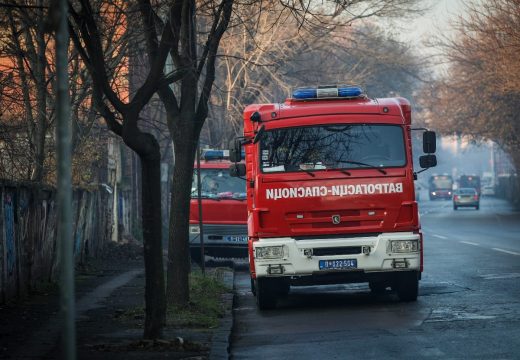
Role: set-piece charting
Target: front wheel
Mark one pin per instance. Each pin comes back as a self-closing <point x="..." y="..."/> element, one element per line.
<point x="477" y="207"/>
<point x="377" y="287"/>
<point x="195" y="256"/>
<point x="407" y="286"/>
<point x="454" y="207"/>
<point x="253" y="289"/>
<point x="265" y="294"/>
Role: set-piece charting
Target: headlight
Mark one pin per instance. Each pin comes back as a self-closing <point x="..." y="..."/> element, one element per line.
<point x="194" y="229"/>
<point x="404" y="246"/>
<point x="269" y="252"/>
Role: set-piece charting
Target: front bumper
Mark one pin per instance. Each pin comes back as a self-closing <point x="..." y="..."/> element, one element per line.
<point x="441" y="195"/>
<point x="221" y="241"/>
<point x="296" y="261"/>
<point x="466" y="203"/>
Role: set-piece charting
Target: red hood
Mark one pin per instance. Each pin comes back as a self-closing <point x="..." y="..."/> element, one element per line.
<point x="219" y="211"/>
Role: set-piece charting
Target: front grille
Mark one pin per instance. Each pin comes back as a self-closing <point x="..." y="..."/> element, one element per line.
<point x="344" y="250"/>
<point x="337" y="236"/>
<point x="225" y="230"/>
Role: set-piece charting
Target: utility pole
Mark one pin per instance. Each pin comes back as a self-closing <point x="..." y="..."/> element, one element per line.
<point x="59" y="13"/>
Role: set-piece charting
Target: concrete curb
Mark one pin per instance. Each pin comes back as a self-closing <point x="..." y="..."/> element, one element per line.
<point x="221" y="337"/>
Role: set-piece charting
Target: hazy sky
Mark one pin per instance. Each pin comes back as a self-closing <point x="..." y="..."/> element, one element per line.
<point x="418" y="31"/>
<point x="435" y="20"/>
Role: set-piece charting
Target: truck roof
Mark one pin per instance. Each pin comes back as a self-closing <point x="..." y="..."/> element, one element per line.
<point x="293" y="108"/>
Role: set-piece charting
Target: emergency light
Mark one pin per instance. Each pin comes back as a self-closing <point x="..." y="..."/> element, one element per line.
<point x="215" y="154"/>
<point x="327" y="92"/>
<point x="210" y="154"/>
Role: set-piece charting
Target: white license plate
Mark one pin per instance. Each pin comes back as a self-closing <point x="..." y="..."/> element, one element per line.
<point x="338" y="264"/>
<point x="236" y="238"/>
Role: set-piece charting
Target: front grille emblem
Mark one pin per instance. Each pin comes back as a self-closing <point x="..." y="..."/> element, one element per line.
<point x="336" y="219"/>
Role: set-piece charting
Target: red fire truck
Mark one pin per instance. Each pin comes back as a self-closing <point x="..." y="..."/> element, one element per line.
<point x="224" y="210"/>
<point x="330" y="192"/>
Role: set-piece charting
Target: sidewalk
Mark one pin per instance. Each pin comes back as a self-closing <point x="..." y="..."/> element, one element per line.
<point x="106" y="327"/>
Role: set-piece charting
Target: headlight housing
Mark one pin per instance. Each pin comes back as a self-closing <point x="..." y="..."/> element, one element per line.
<point x="194" y="229"/>
<point x="269" y="252"/>
<point x="404" y="246"/>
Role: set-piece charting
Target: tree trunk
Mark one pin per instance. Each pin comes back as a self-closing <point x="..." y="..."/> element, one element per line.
<point x="146" y="146"/>
<point x="152" y="234"/>
<point x="177" y="291"/>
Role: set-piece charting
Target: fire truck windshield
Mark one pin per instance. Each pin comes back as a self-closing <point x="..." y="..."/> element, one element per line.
<point x="217" y="184"/>
<point x="337" y="146"/>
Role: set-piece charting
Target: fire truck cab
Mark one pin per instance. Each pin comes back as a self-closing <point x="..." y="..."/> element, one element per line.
<point x="224" y="210"/>
<point x="330" y="192"/>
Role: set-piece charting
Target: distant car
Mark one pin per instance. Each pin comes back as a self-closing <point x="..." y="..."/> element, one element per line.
<point x="488" y="190"/>
<point x="466" y="197"/>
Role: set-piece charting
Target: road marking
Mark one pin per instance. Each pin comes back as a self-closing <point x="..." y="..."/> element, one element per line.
<point x="470" y="243"/>
<point x="452" y="314"/>
<point x="439" y="236"/>
<point x="500" y="276"/>
<point x="506" y="251"/>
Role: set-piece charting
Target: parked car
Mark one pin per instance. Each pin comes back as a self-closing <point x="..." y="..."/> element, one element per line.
<point x="488" y="190"/>
<point x="466" y="197"/>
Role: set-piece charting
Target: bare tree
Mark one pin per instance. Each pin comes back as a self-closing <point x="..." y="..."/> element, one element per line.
<point x="480" y="94"/>
<point x="122" y="115"/>
<point x="26" y="52"/>
<point x="28" y="109"/>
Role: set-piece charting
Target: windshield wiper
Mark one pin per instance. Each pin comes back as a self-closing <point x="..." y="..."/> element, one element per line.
<point x="330" y="166"/>
<point x="363" y="164"/>
<point x="234" y="198"/>
<point x="194" y="195"/>
<point x="308" y="172"/>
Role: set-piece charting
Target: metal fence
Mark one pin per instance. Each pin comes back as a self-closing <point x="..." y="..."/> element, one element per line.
<point x="28" y="234"/>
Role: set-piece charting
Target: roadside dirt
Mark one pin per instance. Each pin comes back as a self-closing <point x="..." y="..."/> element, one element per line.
<point x="31" y="328"/>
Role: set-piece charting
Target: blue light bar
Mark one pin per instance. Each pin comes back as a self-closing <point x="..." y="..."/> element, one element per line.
<point x="213" y="155"/>
<point x="351" y="91"/>
<point x="305" y="93"/>
<point x="327" y="92"/>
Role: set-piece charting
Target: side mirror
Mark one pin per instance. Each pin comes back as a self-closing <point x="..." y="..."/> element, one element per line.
<point x="237" y="170"/>
<point x="429" y="142"/>
<point x="428" y="161"/>
<point x="235" y="151"/>
<point x="259" y="134"/>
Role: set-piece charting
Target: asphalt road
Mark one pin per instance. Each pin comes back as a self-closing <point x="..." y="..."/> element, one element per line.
<point x="468" y="305"/>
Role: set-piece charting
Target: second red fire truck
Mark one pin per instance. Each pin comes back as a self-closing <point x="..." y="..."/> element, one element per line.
<point x="224" y="212"/>
<point x="330" y="192"/>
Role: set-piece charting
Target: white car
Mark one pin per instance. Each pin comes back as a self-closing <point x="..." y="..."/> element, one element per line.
<point x="488" y="190"/>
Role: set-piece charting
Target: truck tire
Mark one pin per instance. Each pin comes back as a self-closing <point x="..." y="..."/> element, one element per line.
<point x="377" y="287"/>
<point x="283" y="288"/>
<point x="253" y="289"/>
<point x="195" y="256"/>
<point x="407" y="286"/>
<point x="265" y="294"/>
